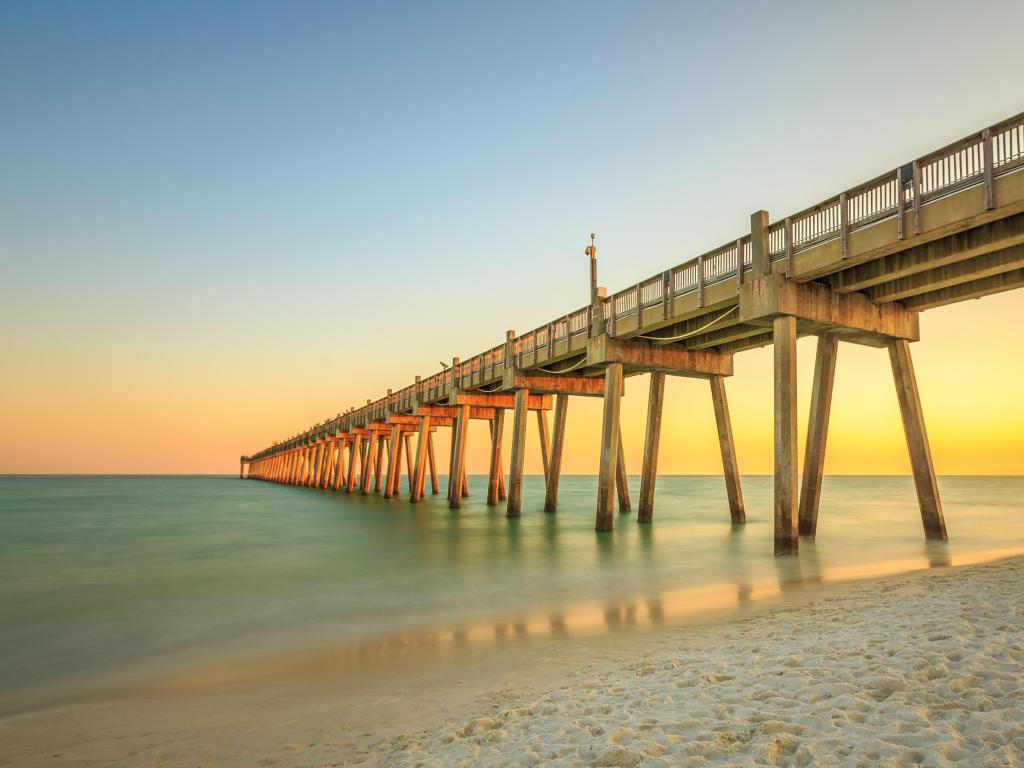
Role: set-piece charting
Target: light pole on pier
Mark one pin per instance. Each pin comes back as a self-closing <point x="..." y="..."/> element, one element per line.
<point x="596" y="313"/>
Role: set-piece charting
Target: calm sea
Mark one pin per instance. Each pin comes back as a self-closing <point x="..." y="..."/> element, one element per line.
<point x="104" y="575"/>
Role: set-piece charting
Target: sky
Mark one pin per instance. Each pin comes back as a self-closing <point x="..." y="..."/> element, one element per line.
<point x="223" y="222"/>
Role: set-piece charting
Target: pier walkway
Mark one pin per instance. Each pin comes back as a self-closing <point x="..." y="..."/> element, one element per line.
<point x="857" y="267"/>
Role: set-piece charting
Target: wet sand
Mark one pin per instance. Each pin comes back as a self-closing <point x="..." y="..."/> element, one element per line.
<point x="926" y="667"/>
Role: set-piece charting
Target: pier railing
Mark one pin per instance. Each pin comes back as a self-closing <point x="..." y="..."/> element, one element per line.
<point x="974" y="160"/>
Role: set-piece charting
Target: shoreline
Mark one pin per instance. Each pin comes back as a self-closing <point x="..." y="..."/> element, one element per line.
<point x="302" y="661"/>
<point x="405" y="705"/>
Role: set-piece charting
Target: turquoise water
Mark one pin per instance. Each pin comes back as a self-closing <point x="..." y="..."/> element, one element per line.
<point x="100" y="575"/>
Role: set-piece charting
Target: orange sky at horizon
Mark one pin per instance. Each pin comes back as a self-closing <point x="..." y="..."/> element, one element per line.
<point x="145" y="416"/>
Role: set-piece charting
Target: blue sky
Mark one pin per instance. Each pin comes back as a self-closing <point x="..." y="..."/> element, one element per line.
<point x="241" y="190"/>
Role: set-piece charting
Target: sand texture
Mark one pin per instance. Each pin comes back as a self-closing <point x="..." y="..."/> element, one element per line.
<point x="926" y="669"/>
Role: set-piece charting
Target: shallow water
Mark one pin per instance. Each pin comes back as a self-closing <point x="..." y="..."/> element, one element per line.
<point x="102" y="575"/>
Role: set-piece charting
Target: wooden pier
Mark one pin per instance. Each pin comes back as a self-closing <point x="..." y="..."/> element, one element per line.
<point x="857" y="268"/>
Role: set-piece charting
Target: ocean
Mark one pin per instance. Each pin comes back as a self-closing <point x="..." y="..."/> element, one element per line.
<point x="105" y="576"/>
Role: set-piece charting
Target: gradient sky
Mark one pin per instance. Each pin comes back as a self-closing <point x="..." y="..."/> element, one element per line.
<point x="221" y="222"/>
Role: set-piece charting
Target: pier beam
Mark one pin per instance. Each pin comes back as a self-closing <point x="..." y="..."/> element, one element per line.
<point x="495" y="469"/>
<point x="817" y="432"/>
<point x="784" y="338"/>
<point x="652" y="439"/>
<point x="555" y="459"/>
<point x="917" y="440"/>
<point x="609" y="447"/>
<point x="461" y="433"/>
<point x="515" y="476"/>
<point x="730" y="468"/>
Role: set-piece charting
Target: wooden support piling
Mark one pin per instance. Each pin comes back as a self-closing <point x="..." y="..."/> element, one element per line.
<point x="609" y="447"/>
<point x="407" y="442"/>
<point x="353" y="451"/>
<point x="434" y="486"/>
<point x="325" y="481"/>
<point x="369" y="459"/>
<point x="325" y="474"/>
<point x="545" y="441"/>
<point x="394" y="460"/>
<point x="817" y="432"/>
<point x="314" y="469"/>
<point x="459" y="463"/>
<point x="419" y="470"/>
<point x="727" y="447"/>
<point x="917" y="440"/>
<point x="515" y="478"/>
<point x="495" y="468"/>
<point x="379" y="464"/>
<point x="652" y="441"/>
<point x="622" y="479"/>
<point x="784" y="337"/>
<point x="555" y="460"/>
<point x="339" y="465"/>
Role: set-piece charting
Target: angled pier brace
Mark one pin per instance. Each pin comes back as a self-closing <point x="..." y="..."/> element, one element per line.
<point x="420" y="467"/>
<point x="407" y="442"/>
<point x="727" y="446"/>
<point x="555" y="459"/>
<point x="622" y="479"/>
<point x="652" y="439"/>
<point x="817" y="432"/>
<point x="354" y="448"/>
<point x="495" y="469"/>
<point x="379" y="463"/>
<point x="917" y="440"/>
<point x="394" y="461"/>
<point x="431" y="460"/>
<point x="459" y="464"/>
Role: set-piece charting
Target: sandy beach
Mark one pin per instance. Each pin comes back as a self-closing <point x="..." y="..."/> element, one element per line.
<point x="920" y="669"/>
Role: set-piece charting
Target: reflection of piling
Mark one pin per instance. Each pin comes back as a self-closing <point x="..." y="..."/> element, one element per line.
<point x="937" y="553"/>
